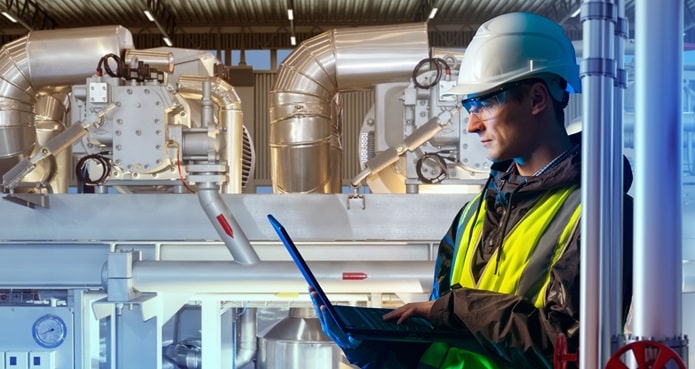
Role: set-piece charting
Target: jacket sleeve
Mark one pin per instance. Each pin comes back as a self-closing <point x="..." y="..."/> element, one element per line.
<point x="511" y="327"/>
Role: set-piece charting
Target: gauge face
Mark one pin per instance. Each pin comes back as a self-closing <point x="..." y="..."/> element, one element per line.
<point x="49" y="331"/>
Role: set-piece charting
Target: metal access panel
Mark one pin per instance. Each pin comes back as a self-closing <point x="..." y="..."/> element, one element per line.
<point x="37" y="337"/>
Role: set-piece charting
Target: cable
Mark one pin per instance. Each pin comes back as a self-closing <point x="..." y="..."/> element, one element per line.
<point x="82" y="172"/>
<point x="438" y="162"/>
<point x="104" y="61"/>
<point x="178" y="166"/>
<point x="439" y="64"/>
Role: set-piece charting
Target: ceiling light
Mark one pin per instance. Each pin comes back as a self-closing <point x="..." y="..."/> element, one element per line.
<point x="576" y="12"/>
<point x="433" y="13"/>
<point x="293" y="40"/>
<point x="290" y="14"/>
<point x="8" y="16"/>
<point x="149" y="16"/>
<point x="167" y="41"/>
<point x="17" y="20"/>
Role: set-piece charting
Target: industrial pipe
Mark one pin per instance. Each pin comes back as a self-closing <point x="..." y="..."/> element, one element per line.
<point x="208" y="173"/>
<point x="598" y="74"/>
<point x="230" y="121"/>
<point x="281" y="276"/>
<point x="658" y="215"/>
<point x="305" y="149"/>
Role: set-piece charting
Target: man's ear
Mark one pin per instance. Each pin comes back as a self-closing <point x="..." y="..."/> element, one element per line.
<point x="540" y="98"/>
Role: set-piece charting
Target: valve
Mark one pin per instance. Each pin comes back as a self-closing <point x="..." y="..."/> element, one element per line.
<point x="561" y="356"/>
<point x="647" y="355"/>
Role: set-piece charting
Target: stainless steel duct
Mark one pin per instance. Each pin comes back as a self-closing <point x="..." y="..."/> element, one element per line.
<point x="52" y="57"/>
<point x="305" y="150"/>
<point x="187" y="353"/>
<point x="51" y="109"/>
<point x="244" y="336"/>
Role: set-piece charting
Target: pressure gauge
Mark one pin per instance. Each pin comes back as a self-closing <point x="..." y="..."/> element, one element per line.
<point x="49" y="331"/>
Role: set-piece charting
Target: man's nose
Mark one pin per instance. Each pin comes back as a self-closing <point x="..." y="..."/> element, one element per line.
<point x="475" y="124"/>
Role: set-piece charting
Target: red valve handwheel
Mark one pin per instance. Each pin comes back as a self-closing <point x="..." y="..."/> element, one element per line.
<point x="562" y="357"/>
<point x="647" y="354"/>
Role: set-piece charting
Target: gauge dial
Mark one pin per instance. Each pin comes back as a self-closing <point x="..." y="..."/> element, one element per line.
<point x="49" y="331"/>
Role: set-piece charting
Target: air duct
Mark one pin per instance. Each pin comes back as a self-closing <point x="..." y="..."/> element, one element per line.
<point x="305" y="150"/>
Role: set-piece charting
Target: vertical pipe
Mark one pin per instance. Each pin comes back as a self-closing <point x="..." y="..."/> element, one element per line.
<point x="598" y="71"/>
<point x="614" y="284"/>
<point x="658" y="230"/>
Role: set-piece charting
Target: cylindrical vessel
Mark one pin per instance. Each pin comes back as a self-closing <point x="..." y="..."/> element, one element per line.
<point x="68" y="56"/>
<point x="161" y="60"/>
<point x="297" y="341"/>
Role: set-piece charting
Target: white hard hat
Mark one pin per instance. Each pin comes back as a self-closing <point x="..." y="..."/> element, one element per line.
<point x="513" y="47"/>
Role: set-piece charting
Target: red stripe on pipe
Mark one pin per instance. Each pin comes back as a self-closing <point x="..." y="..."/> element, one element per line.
<point x="354" y="276"/>
<point x="225" y="225"/>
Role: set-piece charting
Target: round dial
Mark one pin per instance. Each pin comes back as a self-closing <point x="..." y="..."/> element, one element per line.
<point x="49" y="331"/>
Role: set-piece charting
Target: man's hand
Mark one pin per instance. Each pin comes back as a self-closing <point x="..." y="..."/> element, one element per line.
<point x="419" y="309"/>
<point x="330" y="327"/>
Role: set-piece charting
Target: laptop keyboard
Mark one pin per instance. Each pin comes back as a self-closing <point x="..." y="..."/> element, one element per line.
<point x="364" y="317"/>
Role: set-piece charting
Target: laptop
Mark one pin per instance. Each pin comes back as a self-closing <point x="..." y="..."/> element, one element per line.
<point x="365" y="323"/>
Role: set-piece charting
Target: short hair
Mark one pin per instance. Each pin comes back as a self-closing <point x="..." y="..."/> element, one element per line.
<point x="522" y="89"/>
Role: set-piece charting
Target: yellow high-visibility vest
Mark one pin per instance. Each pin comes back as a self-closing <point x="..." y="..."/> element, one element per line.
<point x="529" y="251"/>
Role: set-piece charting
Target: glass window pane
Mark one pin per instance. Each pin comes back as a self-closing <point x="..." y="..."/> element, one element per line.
<point x="258" y="59"/>
<point x="283" y="54"/>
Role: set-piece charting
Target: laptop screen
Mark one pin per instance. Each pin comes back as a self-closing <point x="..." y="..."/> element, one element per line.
<point x="304" y="268"/>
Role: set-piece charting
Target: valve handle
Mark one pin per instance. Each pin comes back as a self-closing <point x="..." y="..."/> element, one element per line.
<point x="647" y="354"/>
<point x="561" y="356"/>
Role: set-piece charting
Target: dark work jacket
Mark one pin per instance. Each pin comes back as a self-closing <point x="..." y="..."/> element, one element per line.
<point x="509" y="327"/>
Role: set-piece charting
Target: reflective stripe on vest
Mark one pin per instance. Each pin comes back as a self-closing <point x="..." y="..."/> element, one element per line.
<point x="529" y="250"/>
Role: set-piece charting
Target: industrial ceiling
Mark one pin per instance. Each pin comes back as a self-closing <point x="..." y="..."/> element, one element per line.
<point x="265" y="23"/>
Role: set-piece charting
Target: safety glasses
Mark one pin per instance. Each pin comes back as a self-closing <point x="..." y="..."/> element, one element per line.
<point x="486" y="106"/>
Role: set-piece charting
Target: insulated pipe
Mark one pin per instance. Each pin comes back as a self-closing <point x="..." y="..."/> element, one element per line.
<point x="305" y="152"/>
<point x="209" y="173"/>
<point x="230" y="119"/>
<point x="281" y="276"/>
<point x="658" y="230"/>
<point x="188" y="353"/>
<point x="245" y="336"/>
<point x="52" y="57"/>
<point x="17" y="133"/>
<point x="598" y="74"/>
<point x="51" y="109"/>
<point x="225" y="224"/>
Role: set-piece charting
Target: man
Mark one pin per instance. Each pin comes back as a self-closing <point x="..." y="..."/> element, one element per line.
<point x="507" y="271"/>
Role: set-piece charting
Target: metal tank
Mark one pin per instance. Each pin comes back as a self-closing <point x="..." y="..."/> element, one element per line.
<point x="297" y="341"/>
